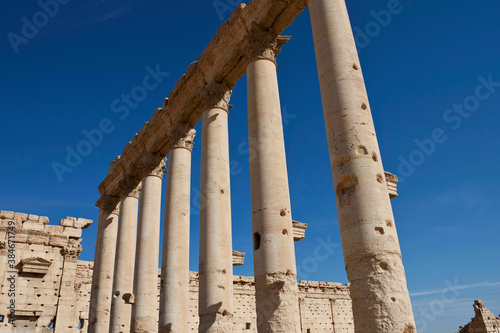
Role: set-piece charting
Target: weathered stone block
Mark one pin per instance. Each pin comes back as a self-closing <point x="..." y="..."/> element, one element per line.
<point x="58" y="240"/>
<point x="43" y="219"/>
<point x="54" y="229"/>
<point x="21" y="237"/>
<point x="82" y="223"/>
<point x="72" y="232"/>
<point x="4" y="214"/>
<point x="66" y="222"/>
<point x="32" y="217"/>
<point x="32" y="225"/>
<point x="20" y="217"/>
<point x="38" y="238"/>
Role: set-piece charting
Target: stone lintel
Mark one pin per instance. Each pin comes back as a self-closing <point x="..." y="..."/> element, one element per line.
<point x="299" y="230"/>
<point x="222" y="62"/>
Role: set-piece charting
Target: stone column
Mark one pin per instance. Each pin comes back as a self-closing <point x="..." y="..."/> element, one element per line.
<point x="370" y="244"/>
<point x="67" y="316"/>
<point x="174" y="295"/>
<point x="145" y="307"/>
<point x="104" y="262"/>
<point x="122" y="299"/>
<point x="274" y="254"/>
<point x="215" y="305"/>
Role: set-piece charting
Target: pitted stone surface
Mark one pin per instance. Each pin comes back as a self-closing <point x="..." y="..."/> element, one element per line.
<point x="65" y="293"/>
<point x="483" y="322"/>
<point x="51" y="282"/>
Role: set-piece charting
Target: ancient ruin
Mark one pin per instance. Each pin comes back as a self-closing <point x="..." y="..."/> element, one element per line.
<point x="45" y="279"/>
<point x="123" y="298"/>
<point x="53" y="286"/>
<point x="124" y="287"/>
<point x="483" y="322"/>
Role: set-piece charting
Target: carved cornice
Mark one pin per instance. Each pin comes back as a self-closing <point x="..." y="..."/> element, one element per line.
<point x="263" y="44"/>
<point x="186" y="141"/>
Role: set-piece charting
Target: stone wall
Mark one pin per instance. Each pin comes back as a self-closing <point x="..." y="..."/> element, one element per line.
<point x="53" y="287"/>
<point x="483" y="322"/>
<point x="324" y="306"/>
<point x="44" y="277"/>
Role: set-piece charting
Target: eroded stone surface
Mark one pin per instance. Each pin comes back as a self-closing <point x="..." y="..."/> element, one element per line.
<point x="372" y="255"/>
<point x="64" y="291"/>
<point x="51" y="282"/>
<point x="483" y="322"/>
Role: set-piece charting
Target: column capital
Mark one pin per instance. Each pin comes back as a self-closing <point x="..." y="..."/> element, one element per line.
<point x="130" y="187"/>
<point x="153" y="168"/>
<point x="109" y="204"/>
<point x="217" y="96"/>
<point x="186" y="141"/>
<point x="72" y="251"/>
<point x="263" y="44"/>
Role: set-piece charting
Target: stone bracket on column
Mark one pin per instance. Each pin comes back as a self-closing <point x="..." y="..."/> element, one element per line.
<point x="299" y="230"/>
<point x="392" y="184"/>
<point x="238" y="258"/>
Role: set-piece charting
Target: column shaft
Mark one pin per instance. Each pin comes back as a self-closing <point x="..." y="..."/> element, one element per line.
<point x="370" y="244"/>
<point x="216" y="259"/>
<point x="174" y="295"/>
<point x="274" y="256"/>
<point x="102" y="279"/>
<point x="121" y="307"/>
<point x="145" y="307"/>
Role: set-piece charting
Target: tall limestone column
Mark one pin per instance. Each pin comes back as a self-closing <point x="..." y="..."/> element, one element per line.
<point x="372" y="254"/>
<point x="174" y="293"/>
<point x="145" y="307"/>
<point x="104" y="262"/>
<point x="122" y="299"/>
<point x="274" y="254"/>
<point x="215" y="305"/>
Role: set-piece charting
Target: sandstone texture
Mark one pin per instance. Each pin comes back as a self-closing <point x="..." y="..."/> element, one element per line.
<point x="55" y="297"/>
<point x="483" y="322"/>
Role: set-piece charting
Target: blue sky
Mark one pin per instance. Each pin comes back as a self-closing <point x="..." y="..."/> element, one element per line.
<point x="420" y="66"/>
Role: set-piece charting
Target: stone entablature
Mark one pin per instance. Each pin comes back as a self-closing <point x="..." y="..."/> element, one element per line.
<point x="223" y="62"/>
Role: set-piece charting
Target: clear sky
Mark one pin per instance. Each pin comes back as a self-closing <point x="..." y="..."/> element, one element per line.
<point x="433" y="78"/>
